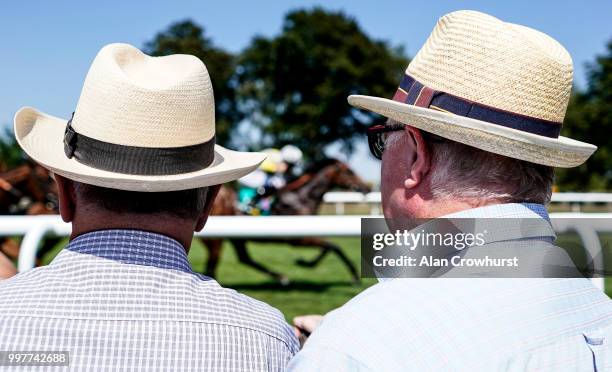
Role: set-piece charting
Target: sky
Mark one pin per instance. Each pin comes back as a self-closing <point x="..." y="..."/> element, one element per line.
<point x="47" y="46"/>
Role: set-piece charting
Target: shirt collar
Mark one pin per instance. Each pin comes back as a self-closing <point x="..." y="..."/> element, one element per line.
<point x="513" y="226"/>
<point x="507" y="210"/>
<point x="133" y="247"/>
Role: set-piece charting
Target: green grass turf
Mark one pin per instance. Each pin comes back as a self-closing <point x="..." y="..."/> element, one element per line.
<point x="312" y="291"/>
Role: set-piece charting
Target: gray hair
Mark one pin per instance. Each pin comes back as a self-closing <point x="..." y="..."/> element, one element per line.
<point x="463" y="172"/>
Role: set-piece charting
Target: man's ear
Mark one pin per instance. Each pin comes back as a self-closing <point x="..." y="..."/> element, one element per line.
<point x="210" y="200"/>
<point x="422" y="159"/>
<point x="67" y="197"/>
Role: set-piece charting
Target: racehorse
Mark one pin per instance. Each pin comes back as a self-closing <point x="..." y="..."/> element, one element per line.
<point x="300" y="197"/>
<point x="27" y="190"/>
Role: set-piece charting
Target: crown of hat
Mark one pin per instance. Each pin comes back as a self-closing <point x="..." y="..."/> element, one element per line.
<point x="132" y="99"/>
<point x="510" y="67"/>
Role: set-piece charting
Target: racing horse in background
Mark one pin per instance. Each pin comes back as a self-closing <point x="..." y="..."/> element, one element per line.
<point x="302" y="196"/>
<point x="28" y="189"/>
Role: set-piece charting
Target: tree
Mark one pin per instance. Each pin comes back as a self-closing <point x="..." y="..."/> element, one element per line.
<point x="186" y="37"/>
<point x="294" y="86"/>
<point x="589" y="118"/>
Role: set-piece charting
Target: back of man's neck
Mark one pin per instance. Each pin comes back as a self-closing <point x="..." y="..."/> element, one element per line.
<point x="173" y="227"/>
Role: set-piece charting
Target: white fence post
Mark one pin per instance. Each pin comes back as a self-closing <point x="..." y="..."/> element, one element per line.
<point x="592" y="247"/>
<point x="29" y="246"/>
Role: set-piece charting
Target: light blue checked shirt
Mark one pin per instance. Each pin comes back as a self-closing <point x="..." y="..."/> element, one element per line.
<point x="473" y="324"/>
<point x="128" y="300"/>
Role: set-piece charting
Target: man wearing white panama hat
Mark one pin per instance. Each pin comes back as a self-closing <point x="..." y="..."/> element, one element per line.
<point x="137" y="169"/>
<point x="473" y="132"/>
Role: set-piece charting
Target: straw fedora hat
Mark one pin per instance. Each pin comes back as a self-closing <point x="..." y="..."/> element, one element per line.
<point x="496" y="86"/>
<point x="142" y="123"/>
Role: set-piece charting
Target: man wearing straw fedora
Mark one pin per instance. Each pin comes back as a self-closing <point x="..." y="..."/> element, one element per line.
<point x="472" y="132"/>
<point x="138" y="169"/>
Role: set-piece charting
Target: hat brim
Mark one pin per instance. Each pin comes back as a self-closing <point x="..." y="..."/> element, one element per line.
<point x="555" y="152"/>
<point x="41" y="136"/>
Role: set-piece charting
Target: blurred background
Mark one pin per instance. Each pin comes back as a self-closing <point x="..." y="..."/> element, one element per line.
<point x="281" y="72"/>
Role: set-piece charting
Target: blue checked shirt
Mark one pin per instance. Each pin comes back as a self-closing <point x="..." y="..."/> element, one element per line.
<point x="128" y="300"/>
<point x="468" y="324"/>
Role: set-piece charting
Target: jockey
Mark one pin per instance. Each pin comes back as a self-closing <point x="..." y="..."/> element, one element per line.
<point x="274" y="168"/>
<point x="292" y="157"/>
<point x="248" y="190"/>
<point x="258" y="189"/>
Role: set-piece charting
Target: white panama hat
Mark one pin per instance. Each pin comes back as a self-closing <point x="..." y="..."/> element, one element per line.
<point x="496" y="86"/>
<point x="142" y="123"/>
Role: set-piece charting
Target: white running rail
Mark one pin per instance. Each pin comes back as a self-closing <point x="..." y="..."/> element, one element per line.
<point x="574" y="199"/>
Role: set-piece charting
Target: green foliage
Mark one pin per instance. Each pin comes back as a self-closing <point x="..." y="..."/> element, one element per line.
<point x="11" y="154"/>
<point x="294" y="86"/>
<point x="589" y="118"/>
<point x="186" y="37"/>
